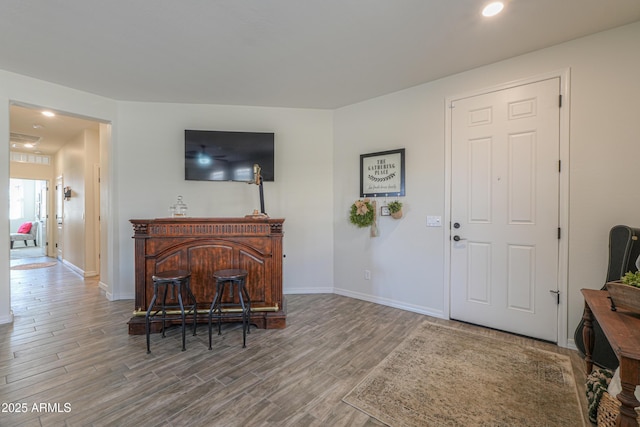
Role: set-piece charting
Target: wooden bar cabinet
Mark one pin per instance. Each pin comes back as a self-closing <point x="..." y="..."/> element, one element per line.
<point x="204" y="245"/>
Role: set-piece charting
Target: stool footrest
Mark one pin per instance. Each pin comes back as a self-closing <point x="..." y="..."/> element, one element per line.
<point x="274" y="308"/>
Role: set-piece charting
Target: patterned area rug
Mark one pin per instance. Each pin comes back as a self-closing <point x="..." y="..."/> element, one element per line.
<point x="33" y="265"/>
<point x="440" y="376"/>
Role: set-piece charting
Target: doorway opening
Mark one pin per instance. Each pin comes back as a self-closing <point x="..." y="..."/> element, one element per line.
<point x="28" y="204"/>
<point x="44" y="148"/>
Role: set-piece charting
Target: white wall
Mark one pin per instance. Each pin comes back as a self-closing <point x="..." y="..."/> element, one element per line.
<point x="407" y="259"/>
<point x="149" y="164"/>
<point x="69" y="164"/>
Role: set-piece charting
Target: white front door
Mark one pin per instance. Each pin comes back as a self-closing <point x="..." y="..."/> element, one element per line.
<point x="504" y="209"/>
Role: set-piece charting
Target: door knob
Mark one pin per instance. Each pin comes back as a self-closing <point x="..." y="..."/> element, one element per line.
<point x="458" y="238"/>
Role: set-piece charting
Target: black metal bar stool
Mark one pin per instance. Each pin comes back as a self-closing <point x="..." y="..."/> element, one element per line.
<point x="236" y="279"/>
<point x="177" y="280"/>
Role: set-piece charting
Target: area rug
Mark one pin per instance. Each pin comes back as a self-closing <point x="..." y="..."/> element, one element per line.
<point x="33" y="265"/>
<point x="441" y="376"/>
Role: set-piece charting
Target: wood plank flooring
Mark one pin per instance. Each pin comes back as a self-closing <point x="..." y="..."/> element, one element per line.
<point x="67" y="360"/>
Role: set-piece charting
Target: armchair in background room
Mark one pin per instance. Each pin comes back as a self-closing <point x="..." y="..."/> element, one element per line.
<point x="27" y="231"/>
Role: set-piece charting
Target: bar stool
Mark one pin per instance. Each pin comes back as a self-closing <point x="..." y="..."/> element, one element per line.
<point x="236" y="278"/>
<point x="177" y="280"/>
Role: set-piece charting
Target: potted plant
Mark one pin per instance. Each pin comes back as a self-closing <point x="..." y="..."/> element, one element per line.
<point x="632" y="279"/>
<point x="625" y="293"/>
<point x="395" y="209"/>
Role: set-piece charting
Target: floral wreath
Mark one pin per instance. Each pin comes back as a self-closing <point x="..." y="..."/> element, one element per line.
<point x="362" y="213"/>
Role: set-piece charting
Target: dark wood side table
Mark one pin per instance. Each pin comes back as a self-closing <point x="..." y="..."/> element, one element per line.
<point x="622" y="329"/>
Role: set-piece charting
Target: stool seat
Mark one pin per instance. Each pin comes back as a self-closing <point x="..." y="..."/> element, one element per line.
<point x="236" y="278"/>
<point x="178" y="281"/>
<point x="230" y="274"/>
<point x="172" y="275"/>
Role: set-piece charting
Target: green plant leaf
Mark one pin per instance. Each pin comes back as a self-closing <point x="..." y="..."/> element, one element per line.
<point x="395" y="206"/>
<point x="632" y="279"/>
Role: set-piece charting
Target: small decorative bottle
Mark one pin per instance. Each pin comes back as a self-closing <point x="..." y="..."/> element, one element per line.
<point x="179" y="209"/>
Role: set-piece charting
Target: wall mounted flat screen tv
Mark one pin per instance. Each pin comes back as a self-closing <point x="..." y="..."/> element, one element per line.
<point x="227" y="156"/>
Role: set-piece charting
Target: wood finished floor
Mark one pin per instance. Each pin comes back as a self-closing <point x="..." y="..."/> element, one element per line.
<point x="69" y="347"/>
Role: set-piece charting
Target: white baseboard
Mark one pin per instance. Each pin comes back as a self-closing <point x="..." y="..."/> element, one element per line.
<point x="91" y="274"/>
<point x="105" y="288"/>
<point x="290" y="291"/>
<point x="7" y="319"/>
<point x="571" y="344"/>
<point x="377" y="300"/>
<point x="73" y="267"/>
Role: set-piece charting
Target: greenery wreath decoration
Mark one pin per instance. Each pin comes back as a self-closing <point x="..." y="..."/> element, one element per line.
<point x="362" y="213"/>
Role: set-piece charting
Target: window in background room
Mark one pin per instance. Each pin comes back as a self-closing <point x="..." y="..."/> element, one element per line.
<point x="16" y="199"/>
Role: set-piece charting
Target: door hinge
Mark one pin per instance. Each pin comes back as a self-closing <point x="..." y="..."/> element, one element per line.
<point x="560" y="100"/>
<point x="559" y="166"/>
<point x="559" y="233"/>
<point x="557" y="295"/>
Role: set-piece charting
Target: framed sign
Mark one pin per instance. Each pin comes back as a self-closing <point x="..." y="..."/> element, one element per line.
<point x="382" y="174"/>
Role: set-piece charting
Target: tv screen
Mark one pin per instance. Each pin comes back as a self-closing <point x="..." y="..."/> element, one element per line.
<point x="227" y="156"/>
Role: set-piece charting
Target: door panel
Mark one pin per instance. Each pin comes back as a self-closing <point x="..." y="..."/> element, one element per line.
<point x="479" y="274"/>
<point x="504" y="196"/>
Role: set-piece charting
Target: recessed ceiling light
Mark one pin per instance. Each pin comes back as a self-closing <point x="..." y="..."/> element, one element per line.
<point x="28" y="145"/>
<point x="48" y="113"/>
<point x="37" y="126"/>
<point x="493" y="9"/>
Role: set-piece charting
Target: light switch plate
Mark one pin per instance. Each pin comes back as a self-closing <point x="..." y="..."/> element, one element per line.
<point x="434" y="221"/>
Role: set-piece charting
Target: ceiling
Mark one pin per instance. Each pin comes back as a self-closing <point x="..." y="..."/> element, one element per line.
<point x="51" y="133"/>
<point x="281" y="53"/>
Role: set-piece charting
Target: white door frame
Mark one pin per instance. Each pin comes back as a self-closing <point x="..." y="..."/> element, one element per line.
<point x="59" y="209"/>
<point x="563" y="250"/>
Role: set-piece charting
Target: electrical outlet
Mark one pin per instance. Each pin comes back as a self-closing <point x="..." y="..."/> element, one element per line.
<point x="367" y="275"/>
